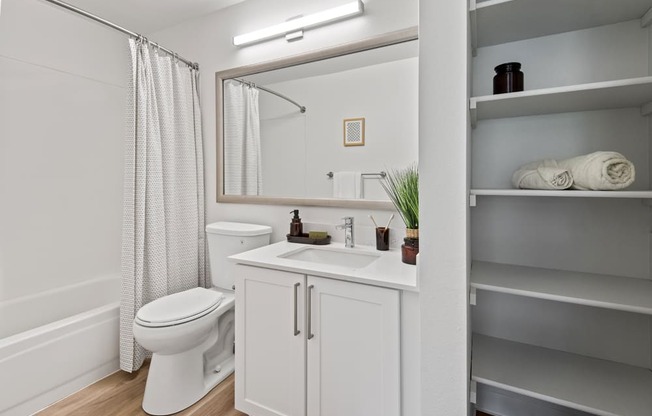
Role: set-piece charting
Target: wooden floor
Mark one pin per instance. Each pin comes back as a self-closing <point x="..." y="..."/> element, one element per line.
<point x="121" y="394"/>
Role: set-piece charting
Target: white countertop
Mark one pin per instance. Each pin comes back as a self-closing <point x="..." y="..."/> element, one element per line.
<point x="387" y="271"/>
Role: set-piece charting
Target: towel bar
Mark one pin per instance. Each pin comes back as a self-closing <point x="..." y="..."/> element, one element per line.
<point x="382" y="174"/>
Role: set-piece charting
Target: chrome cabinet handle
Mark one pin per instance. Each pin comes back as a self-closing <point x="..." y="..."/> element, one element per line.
<point x="310" y="334"/>
<point x="296" y="326"/>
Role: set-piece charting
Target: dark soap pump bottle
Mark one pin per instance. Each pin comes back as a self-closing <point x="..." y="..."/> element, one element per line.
<point x="296" y="226"/>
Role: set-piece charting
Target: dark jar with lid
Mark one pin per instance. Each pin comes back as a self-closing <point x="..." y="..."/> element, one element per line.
<point x="509" y="78"/>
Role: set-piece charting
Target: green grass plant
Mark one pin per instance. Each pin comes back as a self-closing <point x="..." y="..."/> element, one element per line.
<point x="402" y="187"/>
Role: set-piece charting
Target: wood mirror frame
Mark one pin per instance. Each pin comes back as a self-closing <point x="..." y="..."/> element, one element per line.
<point x="388" y="39"/>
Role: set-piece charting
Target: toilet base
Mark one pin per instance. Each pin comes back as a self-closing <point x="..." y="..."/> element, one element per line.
<point x="177" y="379"/>
<point x="175" y="383"/>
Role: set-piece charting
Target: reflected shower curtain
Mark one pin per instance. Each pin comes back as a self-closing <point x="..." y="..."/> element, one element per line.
<point x="163" y="245"/>
<point x="243" y="172"/>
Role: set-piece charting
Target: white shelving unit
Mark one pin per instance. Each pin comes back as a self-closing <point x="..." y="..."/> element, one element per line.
<point x="590" y="289"/>
<point x="533" y="18"/>
<point x="635" y="92"/>
<point x="591" y="385"/>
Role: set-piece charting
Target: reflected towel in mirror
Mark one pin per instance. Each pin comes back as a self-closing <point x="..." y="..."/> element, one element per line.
<point x="347" y="185"/>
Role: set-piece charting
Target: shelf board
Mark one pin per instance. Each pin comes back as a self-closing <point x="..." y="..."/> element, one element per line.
<point x="599" y="290"/>
<point x="563" y="194"/>
<point x="591" y="385"/>
<point x="526" y="19"/>
<point x="624" y="93"/>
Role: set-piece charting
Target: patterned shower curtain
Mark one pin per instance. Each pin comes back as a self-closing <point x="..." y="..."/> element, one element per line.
<point x="243" y="171"/>
<point x="163" y="245"/>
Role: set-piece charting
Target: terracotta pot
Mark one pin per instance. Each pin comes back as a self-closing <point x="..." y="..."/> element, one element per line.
<point x="409" y="250"/>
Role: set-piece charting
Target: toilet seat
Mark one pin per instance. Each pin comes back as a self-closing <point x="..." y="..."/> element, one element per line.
<point x="179" y="308"/>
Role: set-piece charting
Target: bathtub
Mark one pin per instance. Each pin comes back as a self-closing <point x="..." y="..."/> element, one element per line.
<point x="65" y="339"/>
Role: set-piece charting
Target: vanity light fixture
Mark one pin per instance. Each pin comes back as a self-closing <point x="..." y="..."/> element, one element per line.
<point x="345" y="11"/>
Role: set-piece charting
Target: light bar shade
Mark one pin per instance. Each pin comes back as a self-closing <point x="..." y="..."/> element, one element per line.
<point x="312" y="20"/>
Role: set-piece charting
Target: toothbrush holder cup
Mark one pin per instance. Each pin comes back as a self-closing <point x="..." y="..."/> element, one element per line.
<point x="382" y="238"/>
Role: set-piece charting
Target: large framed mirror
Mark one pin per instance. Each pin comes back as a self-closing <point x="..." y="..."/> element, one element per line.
<point x="320" y="128"/>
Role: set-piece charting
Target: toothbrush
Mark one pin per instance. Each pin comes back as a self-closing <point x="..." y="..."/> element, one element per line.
<point x="374" y="221"/>
<point x="389" y="221"/>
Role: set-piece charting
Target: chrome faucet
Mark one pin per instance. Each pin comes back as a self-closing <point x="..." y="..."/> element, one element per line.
<point x="348" y="231"/>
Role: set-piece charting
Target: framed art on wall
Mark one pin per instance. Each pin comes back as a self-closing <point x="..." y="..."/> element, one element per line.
<point x="354" y="131"/>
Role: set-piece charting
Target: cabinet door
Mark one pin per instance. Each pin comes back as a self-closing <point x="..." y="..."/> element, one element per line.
<point x="353" y="349"/>
<point x="270" y="353"/>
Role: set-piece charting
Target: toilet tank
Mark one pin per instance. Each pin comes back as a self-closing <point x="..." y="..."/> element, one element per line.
<point x="228" y="238"/>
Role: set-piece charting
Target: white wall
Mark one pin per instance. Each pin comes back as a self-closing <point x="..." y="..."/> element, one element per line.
<point x="62" y="105"/>
<point x="386" y="95"/>
<point x="443" y="258"/>
<point x="208" y="40"/>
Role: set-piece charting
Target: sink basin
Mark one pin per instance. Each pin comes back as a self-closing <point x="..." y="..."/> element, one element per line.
<point x="335" y="257"/>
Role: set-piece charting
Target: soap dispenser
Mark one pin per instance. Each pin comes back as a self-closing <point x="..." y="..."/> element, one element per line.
<point x="296" y="226"/>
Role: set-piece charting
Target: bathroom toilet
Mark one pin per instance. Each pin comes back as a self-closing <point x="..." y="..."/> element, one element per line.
<point x="191" y="333"/>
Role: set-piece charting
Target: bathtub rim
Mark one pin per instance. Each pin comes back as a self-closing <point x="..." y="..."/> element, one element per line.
<point x="23" y="341"/>
<point x="109" y="285"/>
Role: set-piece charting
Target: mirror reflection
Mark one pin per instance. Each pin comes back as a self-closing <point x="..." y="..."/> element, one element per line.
<point x="325" y="129"/>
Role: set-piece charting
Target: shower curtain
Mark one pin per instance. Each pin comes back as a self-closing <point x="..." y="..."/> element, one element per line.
<point x="243" y="172"/>
<point x="163" y="245"/>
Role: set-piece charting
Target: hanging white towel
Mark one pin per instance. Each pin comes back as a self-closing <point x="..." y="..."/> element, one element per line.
<point x="347" y="185"/>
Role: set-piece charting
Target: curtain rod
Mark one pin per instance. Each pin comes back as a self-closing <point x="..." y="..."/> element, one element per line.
<point x="251" y="84"/>
<point x="112" y="25"/>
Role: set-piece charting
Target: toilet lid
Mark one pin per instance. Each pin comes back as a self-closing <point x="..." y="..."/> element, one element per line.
<point x="179" y="307"/>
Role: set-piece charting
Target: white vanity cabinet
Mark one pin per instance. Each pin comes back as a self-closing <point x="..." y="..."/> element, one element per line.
<point x="270" y="354"/>
<point x="315" y="346"/>
<point x="353" y="348"/>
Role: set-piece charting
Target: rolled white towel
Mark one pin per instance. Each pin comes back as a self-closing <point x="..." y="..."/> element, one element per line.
<point x="600" y="171"/>
<point x="544" y="174"/>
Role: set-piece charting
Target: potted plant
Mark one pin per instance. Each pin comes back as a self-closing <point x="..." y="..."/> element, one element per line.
<point x="402" y="187"/>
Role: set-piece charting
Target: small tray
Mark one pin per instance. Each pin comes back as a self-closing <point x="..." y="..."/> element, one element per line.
<point x="304" y="239"/>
